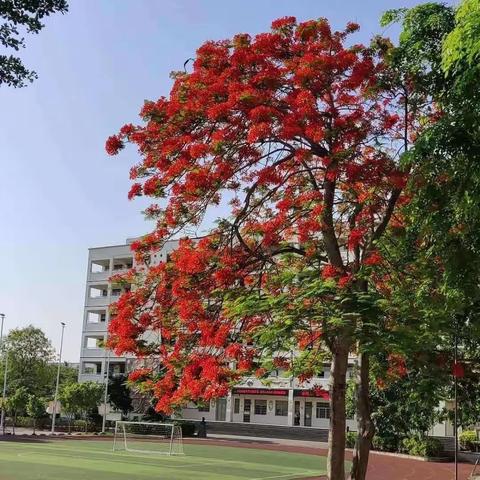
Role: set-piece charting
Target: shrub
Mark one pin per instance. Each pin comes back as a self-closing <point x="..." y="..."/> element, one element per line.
<point x="422" y="446"/>
<point x="188" y="428"/>
<point x="385" y="443"/>
<point x="467" y="439"/>
<point x="27" y="422"/>
<point x="351" y="439"/>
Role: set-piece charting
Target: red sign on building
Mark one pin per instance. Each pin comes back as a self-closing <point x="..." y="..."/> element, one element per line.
<point x="277" y="392"/>
<point x="315" y="392"/>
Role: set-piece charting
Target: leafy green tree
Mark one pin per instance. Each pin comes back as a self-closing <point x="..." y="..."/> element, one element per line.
<point x="35" y="408"/>
<point x="435" y="290"/>
<point x="80" y="399"/>
<point x="16" y="403"/>
<point x="30" y="354"/>
<point x="119" y="394"/>
<point x="19" y="17"/>
<point x="68" y="375"/>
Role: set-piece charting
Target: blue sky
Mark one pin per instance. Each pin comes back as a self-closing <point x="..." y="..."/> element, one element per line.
<point x="60" y="193"/>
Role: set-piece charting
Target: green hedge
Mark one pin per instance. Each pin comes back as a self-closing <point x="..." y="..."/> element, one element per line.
<point x="351" y="439"/>
<point x="422" y="446"/>
<point x="386" y="443"/>
<point x="27" y="422"/>
<point x="188" y="428"/>
<point x="468" y="439"/>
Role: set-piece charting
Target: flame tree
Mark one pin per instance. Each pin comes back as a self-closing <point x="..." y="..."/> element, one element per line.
<point x="300" y="134"/>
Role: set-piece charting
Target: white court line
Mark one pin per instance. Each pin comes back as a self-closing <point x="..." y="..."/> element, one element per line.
<point x="310" y="472"/>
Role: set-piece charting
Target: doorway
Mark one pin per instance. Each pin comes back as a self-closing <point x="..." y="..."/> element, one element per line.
<point x="247" y="406"/>
<point x="308" y="414"/>
<point x="296" y="414"/>
<point x="221" y="410"/>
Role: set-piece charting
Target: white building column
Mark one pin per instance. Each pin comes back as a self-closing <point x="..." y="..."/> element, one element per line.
<point x="229" y="409"/>
<point x="291" y="408"/>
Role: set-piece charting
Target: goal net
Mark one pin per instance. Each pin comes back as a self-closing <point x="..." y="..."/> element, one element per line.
<point x="146" y="437"/>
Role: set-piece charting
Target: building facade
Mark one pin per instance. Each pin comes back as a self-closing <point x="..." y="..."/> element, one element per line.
<point x="103" y="262"/>
<point x="100" y="292"/>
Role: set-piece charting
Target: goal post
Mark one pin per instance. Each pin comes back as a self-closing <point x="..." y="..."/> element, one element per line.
<point x="148" y="437"/>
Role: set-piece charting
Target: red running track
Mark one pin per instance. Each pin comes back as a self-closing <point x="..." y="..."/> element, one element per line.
<point x="381" y="467"/>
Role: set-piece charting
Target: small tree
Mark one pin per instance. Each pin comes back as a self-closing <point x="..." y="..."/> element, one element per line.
<point x="68" y="400"/>
<point x="119" y="394"/>
<point x="30" y="354"/>
<point x="35" y="409"/>
<point x="16" y="403"/>
<point x="80" y="398"/>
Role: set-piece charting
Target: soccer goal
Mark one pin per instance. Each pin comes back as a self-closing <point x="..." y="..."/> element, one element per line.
<point x="146" y="437"/>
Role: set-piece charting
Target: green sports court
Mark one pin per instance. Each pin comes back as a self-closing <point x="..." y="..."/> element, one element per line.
<point x="69" y="459"/>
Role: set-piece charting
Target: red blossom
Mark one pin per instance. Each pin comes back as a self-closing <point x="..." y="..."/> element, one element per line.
<point x="113" y="145"/>
<point x="373" y="259"/>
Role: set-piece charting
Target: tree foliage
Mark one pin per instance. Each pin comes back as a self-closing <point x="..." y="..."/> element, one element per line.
<point x="435" y="280"/>
<point x="291" y="124"/>
<point x="80" y="399"/>
<point x="16" y="403"/>
<point x="35" y="408"/>
<point x="119" y="394"/>
<point x="30" y="354"/>
<point x="19" y="17"/>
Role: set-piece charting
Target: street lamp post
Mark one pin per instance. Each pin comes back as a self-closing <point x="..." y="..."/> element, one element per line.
<point x="4" y="393"/>
<point x="2" y="415"/>
<point x="2" y="316"/>
<point x="105" y="392"/>
<point x="54" y="413"/>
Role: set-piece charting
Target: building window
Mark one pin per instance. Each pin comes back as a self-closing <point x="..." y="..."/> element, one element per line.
<point x="91" y="368"/>
<point x="260" y="407"/>
<point x="236" y="405"/>
<point x="204" y="407"/>
<point x="323" y="410"/>
<point x="281" y="408"/>
<point x="116" y="292"/>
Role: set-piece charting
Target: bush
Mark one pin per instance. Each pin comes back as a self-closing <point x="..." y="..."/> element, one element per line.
<point x="27" y="422"/>
<point x="351" y="439"/>
<point x="467" y="439"/>
<point x="188" y="428"/>
<point x="385" y="443"/>
<point x="423" y="446"/>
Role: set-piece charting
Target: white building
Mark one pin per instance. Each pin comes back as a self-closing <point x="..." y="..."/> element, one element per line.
<point x="103" y="262"/>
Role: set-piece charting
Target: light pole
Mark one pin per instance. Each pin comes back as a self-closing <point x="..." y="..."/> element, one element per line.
<point x="54" y="413"/>
<point x="4" y="393"/>
<point x="2" y="415"/>
<point x="105" y="392"/>
<point x="2" y="316"/>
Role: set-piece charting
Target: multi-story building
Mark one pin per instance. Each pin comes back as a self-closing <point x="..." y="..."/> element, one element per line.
<point x="103" y="262"/>
<point x="100" y="292"/>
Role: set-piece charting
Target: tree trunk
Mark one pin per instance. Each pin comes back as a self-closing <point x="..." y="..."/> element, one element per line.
<point x="14" y="423"/>
<point x="364" y="421"/>
<point x="336" y="437"/>
<point x="34" y="425"/>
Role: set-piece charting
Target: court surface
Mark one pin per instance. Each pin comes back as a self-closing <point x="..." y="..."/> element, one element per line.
<point x="58" y="459"/>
